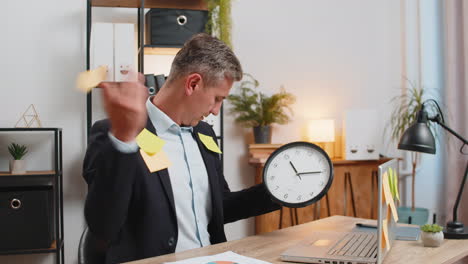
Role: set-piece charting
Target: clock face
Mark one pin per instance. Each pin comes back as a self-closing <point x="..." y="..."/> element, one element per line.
<point x="298" y="174"/>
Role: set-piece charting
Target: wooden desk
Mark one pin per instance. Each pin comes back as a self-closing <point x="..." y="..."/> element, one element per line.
<point x="341" y="196"/>
<point x="269" y="246"/>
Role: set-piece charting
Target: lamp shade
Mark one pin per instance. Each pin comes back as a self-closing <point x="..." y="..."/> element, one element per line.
<point x="322" y="130"/>
<point x="418" y="137"/>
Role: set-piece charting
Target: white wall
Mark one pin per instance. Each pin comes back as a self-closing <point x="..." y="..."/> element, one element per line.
<point x="42" y="50"/>
<point x="423" y="66"/>
<point x="334" y="55"/>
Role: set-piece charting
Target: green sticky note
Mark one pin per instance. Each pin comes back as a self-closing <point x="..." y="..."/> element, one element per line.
<point x="397" y="193"/>
<point x="209" y="143"/>
<point x="390" y="182"/>
<point x="149" y="142"/>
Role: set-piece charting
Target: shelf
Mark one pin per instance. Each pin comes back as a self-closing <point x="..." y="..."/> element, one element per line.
<point x="37" y="178"/>
<point x="149" y="50"/>
<point x="53" y="248"/>
<point x="29" y="173"/>
<point x="180" y="4"/>
<point x="16" y="129"/>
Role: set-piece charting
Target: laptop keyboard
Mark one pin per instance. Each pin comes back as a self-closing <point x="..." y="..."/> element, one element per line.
<point x="357" y="244"/>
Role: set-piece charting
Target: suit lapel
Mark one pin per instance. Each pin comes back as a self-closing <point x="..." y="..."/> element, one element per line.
<point x="210" y="168"/>
<point x="163" y="175"/>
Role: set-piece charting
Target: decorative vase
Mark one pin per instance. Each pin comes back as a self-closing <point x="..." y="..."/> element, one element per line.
<point x="432" y="239"/>
<point x="17" y="166"/>
<point x="262" y="134"/>
<point x="418" y="217"/>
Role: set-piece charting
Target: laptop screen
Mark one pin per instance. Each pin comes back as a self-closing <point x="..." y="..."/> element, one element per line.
<point x="387" y="213"/>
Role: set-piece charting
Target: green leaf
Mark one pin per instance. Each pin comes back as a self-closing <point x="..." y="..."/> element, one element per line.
<point x="252" y="108"/>
<point x="434" y="228"/>
<point x="17" y="151"/>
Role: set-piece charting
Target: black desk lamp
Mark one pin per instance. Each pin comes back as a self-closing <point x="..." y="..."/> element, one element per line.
<point x="418" y="137"/>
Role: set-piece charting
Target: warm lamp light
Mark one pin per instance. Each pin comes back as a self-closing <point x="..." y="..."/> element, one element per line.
<point x="322" y="130"/>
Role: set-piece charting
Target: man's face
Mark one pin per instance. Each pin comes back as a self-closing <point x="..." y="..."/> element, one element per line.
<point x="207" y="100"/>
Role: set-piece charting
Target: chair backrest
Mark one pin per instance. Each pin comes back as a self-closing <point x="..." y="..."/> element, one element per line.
<point x="91" y="250"/>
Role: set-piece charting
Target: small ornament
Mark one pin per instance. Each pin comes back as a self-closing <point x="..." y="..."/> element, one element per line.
<point x="30" y="118"/>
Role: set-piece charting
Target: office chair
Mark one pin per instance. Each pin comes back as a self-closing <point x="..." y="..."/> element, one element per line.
<point x="91" y="250"/>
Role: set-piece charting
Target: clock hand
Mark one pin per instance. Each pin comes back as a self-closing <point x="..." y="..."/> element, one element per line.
<point x="309" y="172"/>
<point x="294" y="168"/>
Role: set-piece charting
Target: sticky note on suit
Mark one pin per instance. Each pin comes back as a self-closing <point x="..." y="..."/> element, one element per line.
<point x="209" y="143"/>
<point x="156" y="162"/>
<point x="88" y="80"/>
<point x="149" y="142"/>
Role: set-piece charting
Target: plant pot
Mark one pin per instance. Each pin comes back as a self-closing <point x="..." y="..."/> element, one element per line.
<point x="262" y="134"/>
<point x="418" y="217"/>
<point x="17" y="166"/>
<point x="432" y="239"/>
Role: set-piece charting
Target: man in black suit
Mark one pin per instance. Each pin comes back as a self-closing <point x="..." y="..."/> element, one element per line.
<point x="144" y="214"/>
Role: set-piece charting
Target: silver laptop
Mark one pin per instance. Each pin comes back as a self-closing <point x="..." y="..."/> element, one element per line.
<point x="359" y="246"/>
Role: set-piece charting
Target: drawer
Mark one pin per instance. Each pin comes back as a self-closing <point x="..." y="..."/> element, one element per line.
<point x="26" y="217"/>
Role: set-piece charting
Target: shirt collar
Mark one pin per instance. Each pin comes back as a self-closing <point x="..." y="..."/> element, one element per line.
<point x="162" y="122"/>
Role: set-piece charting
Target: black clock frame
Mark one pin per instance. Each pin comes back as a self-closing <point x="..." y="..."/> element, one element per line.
<point x="316" y="198"/>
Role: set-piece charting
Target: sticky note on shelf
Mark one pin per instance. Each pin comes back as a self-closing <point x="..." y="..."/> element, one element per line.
<point x="149" y="142"/>
<point x="209" y="143"/>
<point x="156" y="162"/>
<point x="88" y="80"/>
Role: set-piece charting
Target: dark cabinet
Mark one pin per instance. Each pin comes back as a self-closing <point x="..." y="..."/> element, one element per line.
<point x="31" y="205"/>
<point x="27" y="217"/>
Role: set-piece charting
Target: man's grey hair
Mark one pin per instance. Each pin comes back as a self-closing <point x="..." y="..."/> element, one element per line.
<point x="207" y="56"/>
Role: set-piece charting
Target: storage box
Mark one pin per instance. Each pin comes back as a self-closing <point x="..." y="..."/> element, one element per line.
<point x="124" y="51"/>
<point x="361" y="133"/>
<point x="168" y="27"/>
<point x="26" y="217"/>
<point x="102" y="48"/>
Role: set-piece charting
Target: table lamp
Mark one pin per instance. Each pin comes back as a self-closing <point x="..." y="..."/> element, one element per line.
<point x="322" y="131"/>
<point x="418" y="137"/>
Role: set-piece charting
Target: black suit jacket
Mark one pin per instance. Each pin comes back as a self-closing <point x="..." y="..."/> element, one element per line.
<point x="133" y="210"/>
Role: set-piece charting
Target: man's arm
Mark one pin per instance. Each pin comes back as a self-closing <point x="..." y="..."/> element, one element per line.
<point x="246" y="203"/>
<point x="110" y="175"/>
<point x="242" y="204"/>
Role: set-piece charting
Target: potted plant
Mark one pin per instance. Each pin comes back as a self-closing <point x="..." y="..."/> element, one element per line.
<point x="403" y="116"/>
<point x="432" y="235"/>
<point x="253" y="108"/>
<point x="219" y="20"/>
<point x="17" y="165"/>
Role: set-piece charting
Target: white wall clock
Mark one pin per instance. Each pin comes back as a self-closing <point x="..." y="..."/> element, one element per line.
<point x="298" y="174"/>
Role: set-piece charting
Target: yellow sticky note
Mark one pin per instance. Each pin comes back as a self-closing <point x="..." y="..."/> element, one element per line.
<point x="156" y="162"/>
<point x="209" y="143"/>
<point x="394" y="210"/>
<point x="386" y="188"/>
<point x="87" y="80"/>
<point x="149" y="142"/>
<point x="385" y="242"/>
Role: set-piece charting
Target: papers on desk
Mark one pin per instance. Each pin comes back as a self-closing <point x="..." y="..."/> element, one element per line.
<point x="228" y="257"/>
